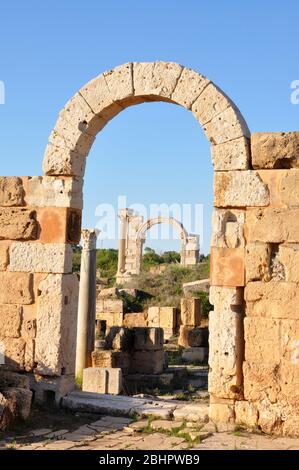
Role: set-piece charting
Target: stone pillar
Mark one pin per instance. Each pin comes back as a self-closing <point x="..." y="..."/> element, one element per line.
<point x="87" y="302"/>
<point x="122" y="244"/>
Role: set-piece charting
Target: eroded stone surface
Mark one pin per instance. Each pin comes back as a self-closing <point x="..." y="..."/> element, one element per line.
<point x="275" y="150"/>
<point x="240" y="189"/>
<point x="11" y="191"/>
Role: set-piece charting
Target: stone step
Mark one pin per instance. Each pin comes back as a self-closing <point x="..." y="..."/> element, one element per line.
<point x="117" y="405"/>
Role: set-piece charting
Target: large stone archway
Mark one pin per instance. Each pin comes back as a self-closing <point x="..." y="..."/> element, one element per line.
<point x="132" y="237"/>
<point x="254" y="245"/>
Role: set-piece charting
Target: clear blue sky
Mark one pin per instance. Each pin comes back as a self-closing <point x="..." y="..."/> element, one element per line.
<point x="154" y="153"/>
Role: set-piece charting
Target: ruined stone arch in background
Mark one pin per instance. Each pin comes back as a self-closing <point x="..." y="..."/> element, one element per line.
<point x="133" y="233"/>
<point x="255" y="232"/>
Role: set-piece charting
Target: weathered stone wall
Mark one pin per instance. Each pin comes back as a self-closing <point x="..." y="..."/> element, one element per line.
<point x="39" y="220"/>
<point x="253" y="340"/>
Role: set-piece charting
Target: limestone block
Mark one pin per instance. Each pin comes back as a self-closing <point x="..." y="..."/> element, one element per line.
<point x="193" y="337"/>
<point x="272" y="225"/>
<point x="41" y="258"/>
<point x="57" y="320"/>
<point x="196" y="355"/>
<point x="226" y="351"/>
<point x="18" y="403"/>
<point x="228" y="228"/>
<point x="153" y="317"/>
<point x="211" y="102"/>
<point x="4" y="256"/>
<point x="190" y="85"/>
<point x="257" y="262"/>
<point x="222" y="413"/>
<point x="10" y="321"/>
<point x="97" y="380"/>
<point x="240" y="189"/>
<point x="288" y="255"/>
<point x="52" y="191"/>
<point x="14" y="379"/>
<point x="97" y="94"/>
<point x="59" y="225"/>
<point x="60" y="161"/>
<point x="17" y="224"/>
<point x="132" y="320"/>
<point x="147" y="362"/>
<point x="11" y="191"/>
<point x="156" y="78"/>
<point x="272" y="178"/>
<point x="14" y="353"/>
<point x="261" y="381"/>
<point x="59" y="386"/>
<point x="168" y="318"/>
<point x="66" y="136"/>
<point x="109" y="305"/>
<point x="272" y="299"/>
<point x="120" y="81"/>
<point x="225" y="297"/>
<point x="246" y="413"/>
<point x="16" y="288"/>
<point x="111" y="359"/>
<point x="119" y="338"/>
<point x="289" y="186"/>
<point x="275" y="150"/>
<point x="232" y="155"/>
<point x="227" y="267"/>
<point x="111" y="292"/>
<point x="148" y="339"/>
<point x="226" y="126"/>
<point x="190" y="312"/>
<point x="29" y="359"/>
<point x="265" y="347"/>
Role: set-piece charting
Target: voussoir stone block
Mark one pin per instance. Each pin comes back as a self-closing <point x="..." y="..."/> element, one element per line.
<point x="226" y="126"/>
<point x="120" y="81"/>
<point x="189" y="87"/>
<point x="240" y="189"/>
<point x="11" y="191"/>
<point x="41" y="258"/>
<point x="56" y="324"/>
<point x="156" y="78"/>
<point x="275" y="150"/>
<point x="211" y="102"/>
<point x="16" y="288"/>
<point x="60" y="161"/>
<point x="17" y="224"/>
<point x="227" y="267"/>
<point x="232" y="155"/>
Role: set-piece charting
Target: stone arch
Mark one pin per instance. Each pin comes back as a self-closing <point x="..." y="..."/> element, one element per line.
<point x="163" y="220"/>
<point x="105" y="96"/>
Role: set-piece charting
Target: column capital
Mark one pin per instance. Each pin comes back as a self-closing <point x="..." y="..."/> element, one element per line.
<point x="89" y="238"/>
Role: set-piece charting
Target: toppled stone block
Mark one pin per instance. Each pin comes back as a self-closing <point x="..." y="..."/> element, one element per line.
<point x="10" y="321"/>
<point x="275" y="150"/>
<point x="18" y="224"/>
<point x="193" y="337"/>
<point x="119" y="338"/>
<point x="148" y="339"/>
<point x="190" y="312"/>
<point x="15" y="404"/>
<point x="99" y="380"/>
<point x="227" y="267"/>
<point x="11" y="191"/>
<point x="41" y="258"/>
<point x="147" y="362"/>
<point x="16" y="288"/>
<point x="111" y="359"/>
<point x="198" y="355"/>
<point x="227" y="189"/>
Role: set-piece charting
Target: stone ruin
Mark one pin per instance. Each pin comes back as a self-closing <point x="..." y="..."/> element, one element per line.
<point x="254" y="328"/>
<point x="132" y="237"/>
